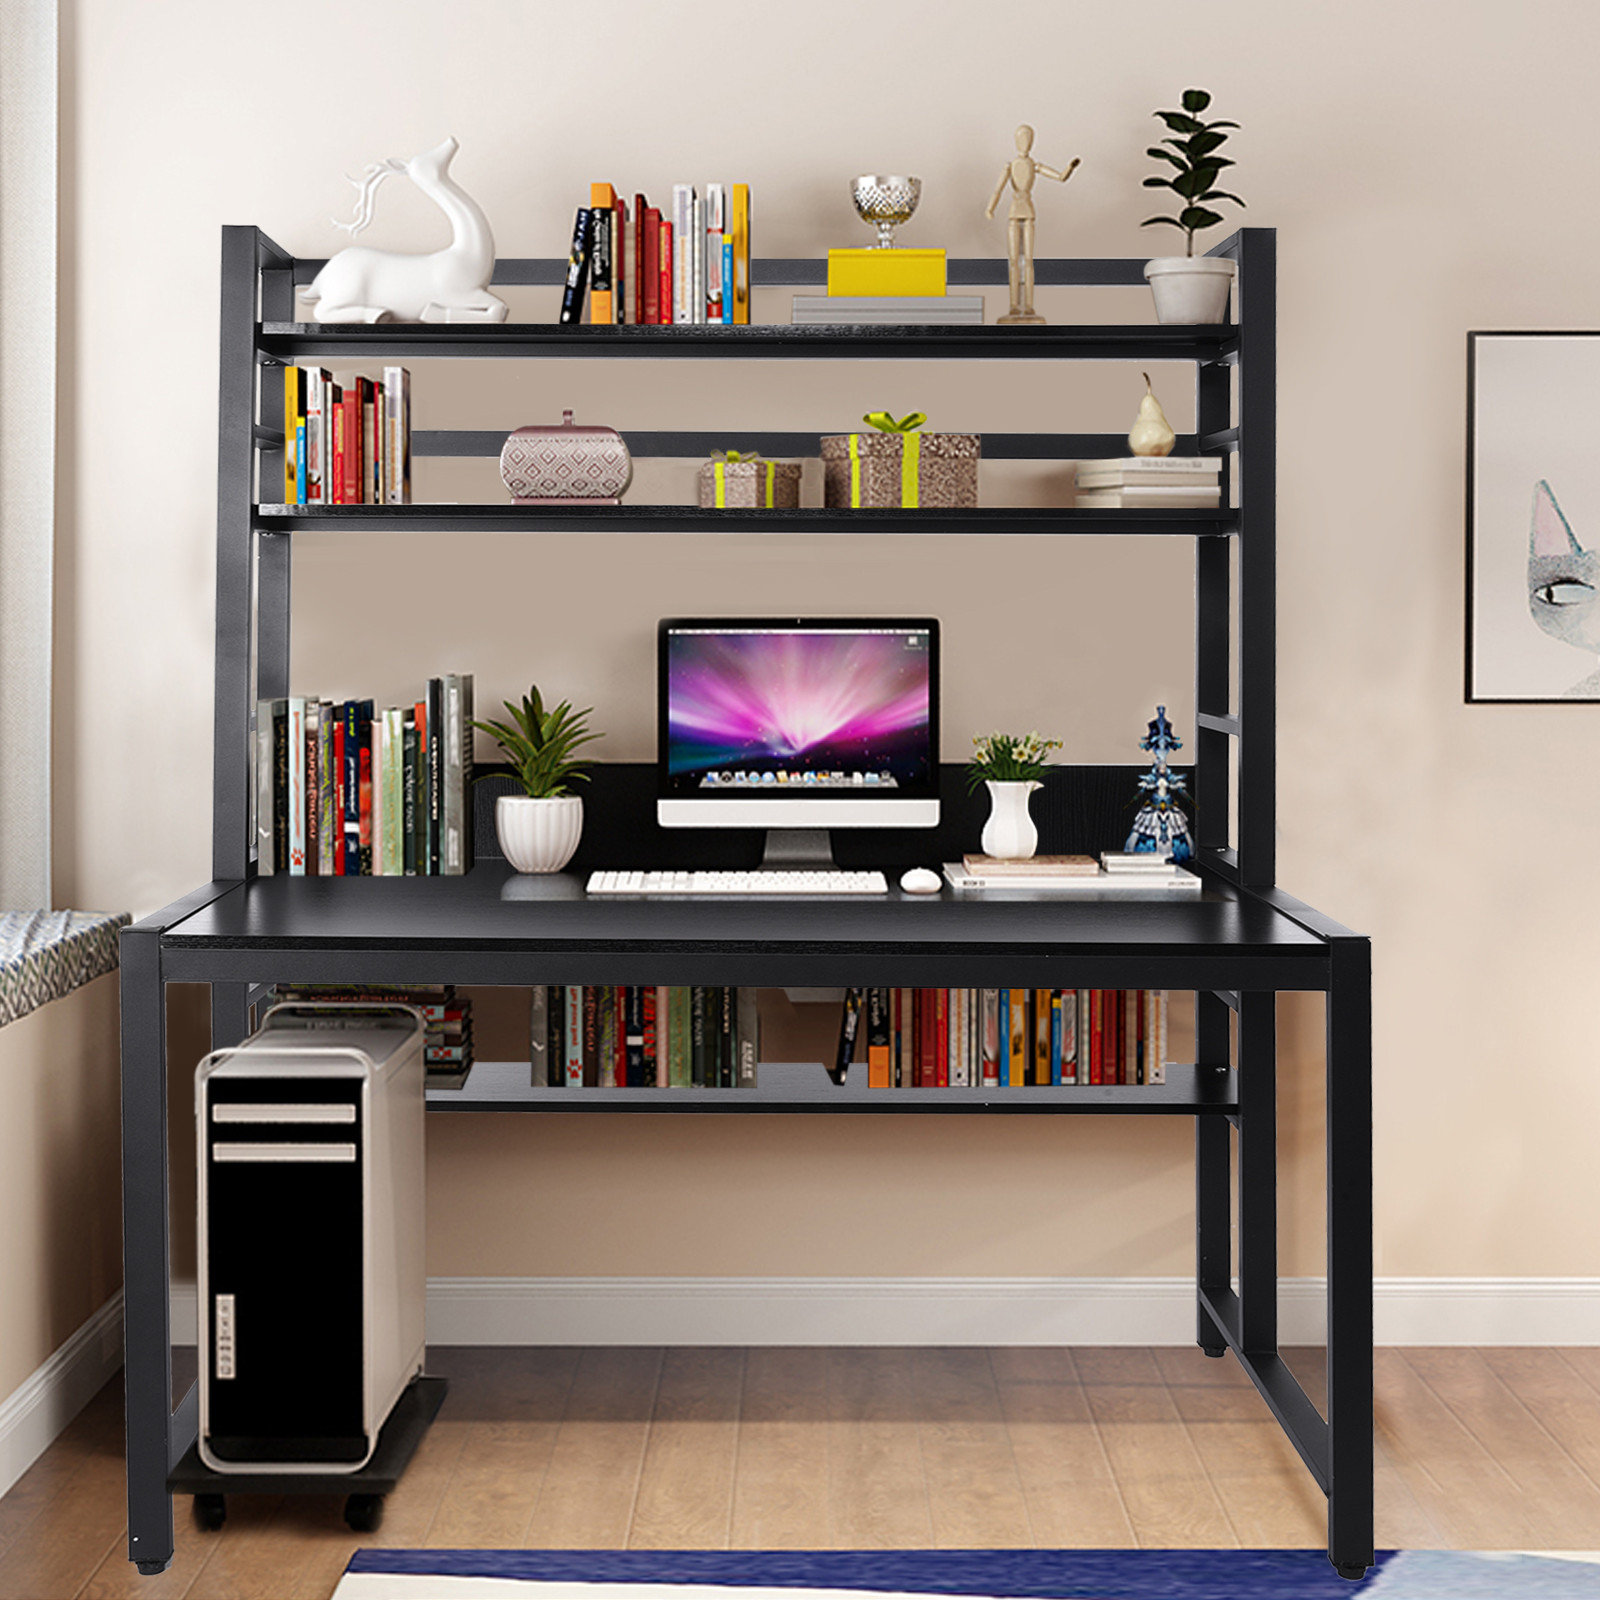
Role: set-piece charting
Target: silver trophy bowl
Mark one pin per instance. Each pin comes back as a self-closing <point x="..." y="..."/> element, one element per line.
<point x="885" y="202"/>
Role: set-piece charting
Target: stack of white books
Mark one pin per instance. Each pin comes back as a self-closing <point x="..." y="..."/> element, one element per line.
<point x="1154" y="482"/>
<point x="1144" y="867"/>
<point x="934" y="310"/>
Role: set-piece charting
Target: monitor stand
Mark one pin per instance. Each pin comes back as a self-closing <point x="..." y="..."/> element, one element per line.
<point x="798" y="850"/>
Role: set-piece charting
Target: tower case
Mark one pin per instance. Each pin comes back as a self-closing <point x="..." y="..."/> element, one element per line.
<point x="311" y="1266"/>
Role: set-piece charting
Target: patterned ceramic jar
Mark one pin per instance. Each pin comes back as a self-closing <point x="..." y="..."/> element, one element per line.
<point x="544" y="466"/>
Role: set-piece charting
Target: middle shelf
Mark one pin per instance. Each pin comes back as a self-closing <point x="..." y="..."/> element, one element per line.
<point x="788" y="1086"/>
<point x="505" y="518"/>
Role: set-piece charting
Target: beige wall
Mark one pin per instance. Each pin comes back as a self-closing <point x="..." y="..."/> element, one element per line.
<point x="1429" y="168"/>
<point x="61" y="1243"/>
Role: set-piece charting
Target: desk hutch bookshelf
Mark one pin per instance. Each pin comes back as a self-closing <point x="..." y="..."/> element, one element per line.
<point x="1237" y="945"/>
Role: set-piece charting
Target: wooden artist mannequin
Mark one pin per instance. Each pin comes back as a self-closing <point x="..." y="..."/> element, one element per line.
<point x="1020" y="173"/>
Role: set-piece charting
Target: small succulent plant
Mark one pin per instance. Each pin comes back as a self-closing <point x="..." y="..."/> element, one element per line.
<point x="540" y="744"/>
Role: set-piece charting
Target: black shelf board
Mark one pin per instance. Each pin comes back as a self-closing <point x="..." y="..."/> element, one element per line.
<point x="495" y="926"/>
<point x="579" y="518"/>
<point x="786" y="1086"/>
<point x="398" y="1439"/>
<point x="302" y="341"/>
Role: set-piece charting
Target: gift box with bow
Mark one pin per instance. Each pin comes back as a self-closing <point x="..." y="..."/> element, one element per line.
<point x="742" y="479"/>
<point x="895" y="465"/>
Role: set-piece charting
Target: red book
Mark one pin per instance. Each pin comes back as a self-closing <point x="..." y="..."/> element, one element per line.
<point x="338" y="795"/>
<point x="313" y="810"/>
<point x="334" y="478"/>
<point x="927" y="1038"/>
<point x="619" y="1037"/>
<point x="350" y="409"/>
<point x="941" y="1042"/>
<point x="636" y="255"/>
<point x="664" y="289"/>
<point x="650" y="266"/>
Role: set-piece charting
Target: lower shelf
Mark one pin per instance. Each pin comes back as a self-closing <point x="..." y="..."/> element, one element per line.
<point x="804" y="1086"/>
<point x="413" y="1412"/>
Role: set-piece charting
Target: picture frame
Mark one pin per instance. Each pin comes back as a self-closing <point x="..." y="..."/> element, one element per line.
<point x="1532" y="518"/>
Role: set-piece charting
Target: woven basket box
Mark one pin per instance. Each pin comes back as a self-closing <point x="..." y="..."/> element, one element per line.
<point x="764" y="485"/>
<point x="870" y="469"/>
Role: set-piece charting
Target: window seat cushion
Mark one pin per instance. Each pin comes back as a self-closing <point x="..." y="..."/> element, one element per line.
<point x="47" y="954"/>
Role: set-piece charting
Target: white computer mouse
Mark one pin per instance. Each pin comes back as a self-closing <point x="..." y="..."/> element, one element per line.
<point x="919" y="880"/>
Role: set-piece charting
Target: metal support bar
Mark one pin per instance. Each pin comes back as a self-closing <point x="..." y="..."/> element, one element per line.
<point x="1216" y="723"/>
<point x="147" y="1332"/>
<point x="1349" y="1177"/>
<point x="1258" y="1172"/>
<point x="1278" y="1386"/>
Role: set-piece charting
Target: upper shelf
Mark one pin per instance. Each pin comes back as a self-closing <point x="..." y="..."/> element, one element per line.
<point x="581" y="518"/>
<point x="299" y="341"/>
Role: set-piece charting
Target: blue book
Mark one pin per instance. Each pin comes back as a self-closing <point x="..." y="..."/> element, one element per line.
<point x="1005" y="1038"/>
<point x="1055" y="1036"/>
<point x="300" y="462"/>
<point x="727" y="280"/>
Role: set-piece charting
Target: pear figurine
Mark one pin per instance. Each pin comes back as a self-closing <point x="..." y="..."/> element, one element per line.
<point x="1151" y="434"/>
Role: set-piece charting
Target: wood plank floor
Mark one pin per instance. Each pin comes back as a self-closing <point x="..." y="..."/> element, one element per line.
<point x="862" y="1448"/>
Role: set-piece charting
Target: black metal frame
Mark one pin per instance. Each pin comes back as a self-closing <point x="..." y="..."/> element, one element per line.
<point x="1239" y="946"/>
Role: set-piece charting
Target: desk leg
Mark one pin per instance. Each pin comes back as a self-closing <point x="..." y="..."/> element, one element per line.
<point x="1258" y="1173"/>
<point x="1349" y="1115"/>
<point x="145" y="1263"/>
<point x="1213" y="1199"/>
<point x="230" y="1015"/>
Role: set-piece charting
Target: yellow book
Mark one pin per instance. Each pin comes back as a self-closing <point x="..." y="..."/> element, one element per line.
<point x="294" y="417"/>
<point x="886" y="272"/>
<point x="1019" y="1038"/>
<point x="741" y="253"/>
<point x="602" y="274"/>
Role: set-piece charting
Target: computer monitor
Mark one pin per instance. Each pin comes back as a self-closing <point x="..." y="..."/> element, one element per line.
<point x="798" y="723"/>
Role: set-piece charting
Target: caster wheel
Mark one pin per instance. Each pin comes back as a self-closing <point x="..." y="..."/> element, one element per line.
<point x="363" y="1512"/>
<point x="210" y="1511"/>
<point x="148" y="1569"/>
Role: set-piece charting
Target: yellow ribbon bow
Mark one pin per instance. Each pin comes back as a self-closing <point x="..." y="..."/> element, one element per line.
<point x="910" y="454"/>
<point x="719" y="470"/>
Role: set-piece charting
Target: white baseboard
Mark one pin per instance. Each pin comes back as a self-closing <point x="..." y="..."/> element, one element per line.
<point x="967" y="1311"/>
<point x="54" y="1393"/>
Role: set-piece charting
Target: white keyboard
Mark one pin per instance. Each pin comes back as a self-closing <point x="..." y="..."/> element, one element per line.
<point x="738" y="883"/>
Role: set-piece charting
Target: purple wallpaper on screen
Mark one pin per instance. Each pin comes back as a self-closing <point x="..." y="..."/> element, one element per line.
<point x="798" y="700"/>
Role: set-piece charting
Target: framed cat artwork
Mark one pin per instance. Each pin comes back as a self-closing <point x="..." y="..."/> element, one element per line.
<point x="1533" y="517"/>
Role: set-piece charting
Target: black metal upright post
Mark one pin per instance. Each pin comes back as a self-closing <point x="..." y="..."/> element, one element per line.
<point x="1257" y="383"/>
<point x="146" y="1316"/>
<point x="1349" y="1223"/>
<point x="1258" y="1172"/>
<point x="1213" y="1199"/>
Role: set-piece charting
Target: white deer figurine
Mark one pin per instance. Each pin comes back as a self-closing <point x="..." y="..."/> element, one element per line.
<point x="449" y="285"/>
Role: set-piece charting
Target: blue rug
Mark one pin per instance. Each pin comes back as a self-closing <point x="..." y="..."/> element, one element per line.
<point x="1005" y="1574"/>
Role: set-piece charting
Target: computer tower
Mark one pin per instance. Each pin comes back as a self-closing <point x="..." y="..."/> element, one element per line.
<point x="311" y="1266"/>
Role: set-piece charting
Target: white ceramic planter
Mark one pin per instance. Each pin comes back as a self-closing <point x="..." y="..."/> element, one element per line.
<point x="1190" y="288"/>
<point x="538" y="835"/>
<point x="1009" y="833"/>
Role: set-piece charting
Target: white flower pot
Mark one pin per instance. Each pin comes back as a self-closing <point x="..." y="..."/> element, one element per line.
<point x="1190" y="288"/>
<point x="538" y="835"/>
<point x="1009" y="833"/>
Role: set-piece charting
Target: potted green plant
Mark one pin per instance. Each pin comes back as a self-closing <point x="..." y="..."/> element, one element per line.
<point x="539" y="829"/>
<point x="1191" y="288"/>
<point x="1010" y="765"/>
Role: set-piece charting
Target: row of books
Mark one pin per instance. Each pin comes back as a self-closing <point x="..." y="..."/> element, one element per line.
<point x="1003" y="1038"/>
<point x="636" y="264"/>
<point x="446" y="1019"/>
<point x="643" y="1036"/>
<point x="1156" y="482"/>
<point x="344" y="790"/>
<point x="346" y="444"/>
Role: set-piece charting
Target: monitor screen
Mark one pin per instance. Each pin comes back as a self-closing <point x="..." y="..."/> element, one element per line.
<point x="824" y="710"/>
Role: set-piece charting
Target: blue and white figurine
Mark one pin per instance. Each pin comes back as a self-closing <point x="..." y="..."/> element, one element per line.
<point x="1160" y="828"/>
